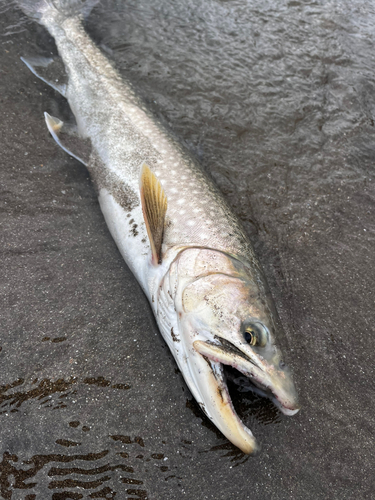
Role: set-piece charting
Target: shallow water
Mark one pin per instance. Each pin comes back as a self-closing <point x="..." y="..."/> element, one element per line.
<point x="277" y="100"/>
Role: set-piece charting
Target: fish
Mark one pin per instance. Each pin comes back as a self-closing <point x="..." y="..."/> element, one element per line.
<point x="171" y="224"/>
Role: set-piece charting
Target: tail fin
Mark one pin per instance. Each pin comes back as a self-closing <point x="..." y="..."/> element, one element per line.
<point x="60" y="9"/>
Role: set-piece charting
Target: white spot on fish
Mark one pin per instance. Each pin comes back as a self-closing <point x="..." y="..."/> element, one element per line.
<point x="191" y="223"/>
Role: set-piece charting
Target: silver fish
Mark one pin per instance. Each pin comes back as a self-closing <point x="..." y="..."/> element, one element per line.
<point x="172" y="226"/>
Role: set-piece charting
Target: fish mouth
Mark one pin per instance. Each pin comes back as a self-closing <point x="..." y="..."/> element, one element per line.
<point x="270" y="382"/>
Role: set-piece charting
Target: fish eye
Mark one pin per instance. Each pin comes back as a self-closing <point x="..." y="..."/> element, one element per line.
<point x="255" y="335"/>
<point x="249" y="336"/>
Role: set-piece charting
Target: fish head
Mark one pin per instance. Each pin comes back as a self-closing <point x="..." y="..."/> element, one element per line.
<point x="227" y="317"/>
<point x="232" y="324"/>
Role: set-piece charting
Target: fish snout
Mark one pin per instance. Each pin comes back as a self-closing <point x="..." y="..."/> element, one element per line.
<point x="285" y="393"/>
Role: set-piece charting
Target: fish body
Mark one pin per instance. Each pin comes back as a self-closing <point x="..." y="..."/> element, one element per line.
<point x="203" y="281"/>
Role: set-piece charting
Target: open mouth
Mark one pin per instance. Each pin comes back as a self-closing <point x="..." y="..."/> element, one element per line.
<point x="228" y="354"/>
<point x="270" y="385"/>
<point x="209" y="386"/>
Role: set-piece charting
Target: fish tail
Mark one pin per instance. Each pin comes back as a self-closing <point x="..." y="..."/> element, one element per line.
<point x="58" y="10"/>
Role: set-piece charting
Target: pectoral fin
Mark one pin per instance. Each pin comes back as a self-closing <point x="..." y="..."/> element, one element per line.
<point x="68" y="139"/>
<point x="154" y="207"/>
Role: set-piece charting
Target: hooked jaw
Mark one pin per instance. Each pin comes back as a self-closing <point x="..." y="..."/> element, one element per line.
<point x="273" y="383"/>
<point x="207" y="383"/>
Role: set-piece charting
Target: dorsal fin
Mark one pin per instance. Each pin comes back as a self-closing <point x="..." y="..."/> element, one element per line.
<point x="154" y="207"/>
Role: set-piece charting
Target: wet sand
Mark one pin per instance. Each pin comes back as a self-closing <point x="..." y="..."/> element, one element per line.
<point x="278" y="103"/>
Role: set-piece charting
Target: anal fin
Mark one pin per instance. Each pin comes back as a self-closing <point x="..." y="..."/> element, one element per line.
<point x="68" y="139"/>
<point x="50" y="70"/>
<point x="154" y="207"/>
